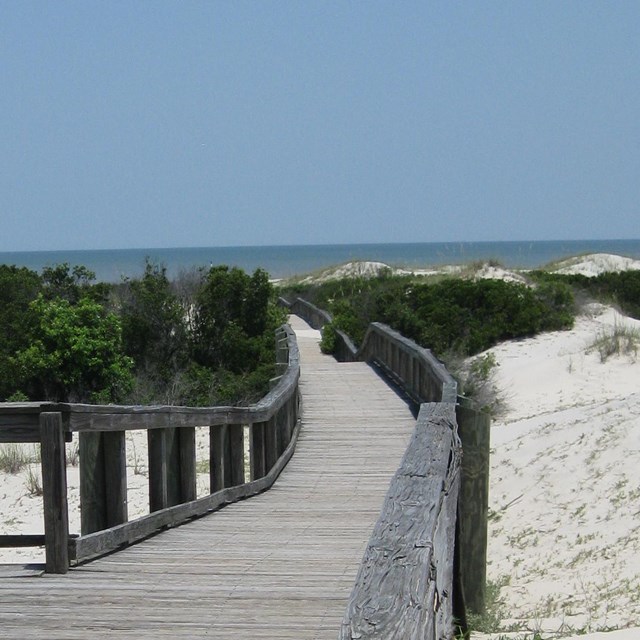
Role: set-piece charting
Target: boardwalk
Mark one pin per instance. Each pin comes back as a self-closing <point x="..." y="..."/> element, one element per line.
<point x="280" y="565"/>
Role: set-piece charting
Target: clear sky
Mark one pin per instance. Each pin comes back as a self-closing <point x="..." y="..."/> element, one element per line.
<point x="182" y="123"/>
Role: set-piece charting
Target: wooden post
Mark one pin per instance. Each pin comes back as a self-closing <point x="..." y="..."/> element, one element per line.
<point x="92" y="491"/>
<point x="172" y="470"/>
<point x="115" y="473"/>
<point x="474" y="428"/>
<point x="54" y="488"/>
<point x="103" y="480"/>
<point x="187" y="439"/>
<point x="236" y="454"/>
<point x="270" y="443"/>
<point x="219" y="461"/>
<point x="256" y="450"/>
<point x="158" y="472"/>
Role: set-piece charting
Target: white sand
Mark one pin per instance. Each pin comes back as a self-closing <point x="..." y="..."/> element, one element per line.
<point x="565" y="491"/>
<point x="595" y="264"/>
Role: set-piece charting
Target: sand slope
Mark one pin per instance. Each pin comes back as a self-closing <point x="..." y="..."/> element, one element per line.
<point x="565" y="492"/>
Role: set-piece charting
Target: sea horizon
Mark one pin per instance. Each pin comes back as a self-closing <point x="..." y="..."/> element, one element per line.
<point x="282" y="261"/>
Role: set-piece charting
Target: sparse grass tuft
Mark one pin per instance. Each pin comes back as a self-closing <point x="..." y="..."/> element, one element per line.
<point x="14" y="458"/>
<point x="33" y="483"/>
<point x="490" y="621"/>
<point x="620" y="340"/>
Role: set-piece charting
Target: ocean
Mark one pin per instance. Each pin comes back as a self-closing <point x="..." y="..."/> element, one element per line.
<point x="111" y="265"/>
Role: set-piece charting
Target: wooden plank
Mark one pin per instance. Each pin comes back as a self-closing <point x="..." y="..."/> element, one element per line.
<point x="123" y="418"/>
<point x="406" y="575"/>
<point x="24" y="540"/>
<point x="54" y="492"/>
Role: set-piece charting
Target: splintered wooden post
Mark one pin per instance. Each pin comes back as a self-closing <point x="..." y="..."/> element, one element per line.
<point x="474" y="428"/>
<point x="54" y="488"/>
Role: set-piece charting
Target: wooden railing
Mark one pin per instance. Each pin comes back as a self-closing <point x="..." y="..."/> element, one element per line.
<point x="425" y="564"/>
<point x="273" y="425"/>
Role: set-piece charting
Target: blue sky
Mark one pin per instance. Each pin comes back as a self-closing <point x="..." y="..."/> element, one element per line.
<point x="169" y="124"/>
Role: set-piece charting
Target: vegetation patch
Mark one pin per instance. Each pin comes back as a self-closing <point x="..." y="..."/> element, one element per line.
<point x="205" y="339"/>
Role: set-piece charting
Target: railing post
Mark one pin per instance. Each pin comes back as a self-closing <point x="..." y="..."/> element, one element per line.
<point x="172" y="470"/>
<point x="474" y="428"/>
<point x="188" y="485"/>
<point x="54" y="487"/>
<point x="271" y="442"/>
<point x="227" y="456"/>
<point x="103" y="480"/>
<point x="218" y="461"/>
<point x="236" y="453"/>
<point x="256" y="450"/>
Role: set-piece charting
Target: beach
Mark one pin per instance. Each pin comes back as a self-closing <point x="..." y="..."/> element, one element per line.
<point x="564" y="542"/>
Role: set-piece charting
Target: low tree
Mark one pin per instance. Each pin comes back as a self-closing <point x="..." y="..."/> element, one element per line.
<point x="74" y="353"/>
<point x="19" y="286"/>
<point x="154" y="327"/>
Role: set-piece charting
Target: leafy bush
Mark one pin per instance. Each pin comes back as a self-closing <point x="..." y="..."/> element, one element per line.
<point x="18" y="288"/>
<point x="452" y="314"/>
<point x="154" y="327"/>
<point x="74" y="353"/>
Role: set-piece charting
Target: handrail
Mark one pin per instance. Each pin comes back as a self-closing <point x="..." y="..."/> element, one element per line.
<point x="444" y="593"/>
<point x="273" y="424"/>
<point x="404" y="588"/>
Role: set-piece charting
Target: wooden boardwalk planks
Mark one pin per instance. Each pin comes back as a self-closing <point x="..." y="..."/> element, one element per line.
<point x="278" y="566"/>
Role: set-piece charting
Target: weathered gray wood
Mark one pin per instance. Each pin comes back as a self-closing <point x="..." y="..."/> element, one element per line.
<point x="279" y="567"/>
<point x="115" y="473"/>
<point x="473" y="509"/>
<point x="101" y="542"/>
<point x="393" y="352"/>
<point x="270" y="442"/>
<point x="123" y="418"/>
<point x="219" y="470"/>
<point x="257" y="451"/>
<point x="24" y="540"/>
<point x="93" y="512"/>
<point x="54" y="493"/>
<point x="187" y="438"/>
<point x="103" y="480"/>
<point x="160" y="449"/>
<point x="404" y="586"/>
<point x="236" y="454"/>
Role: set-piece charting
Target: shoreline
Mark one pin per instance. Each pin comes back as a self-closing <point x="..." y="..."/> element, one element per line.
<point x="287" y="261"/>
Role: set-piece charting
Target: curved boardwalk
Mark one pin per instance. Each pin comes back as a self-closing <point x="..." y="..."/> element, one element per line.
<point x="280" y="565"/>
